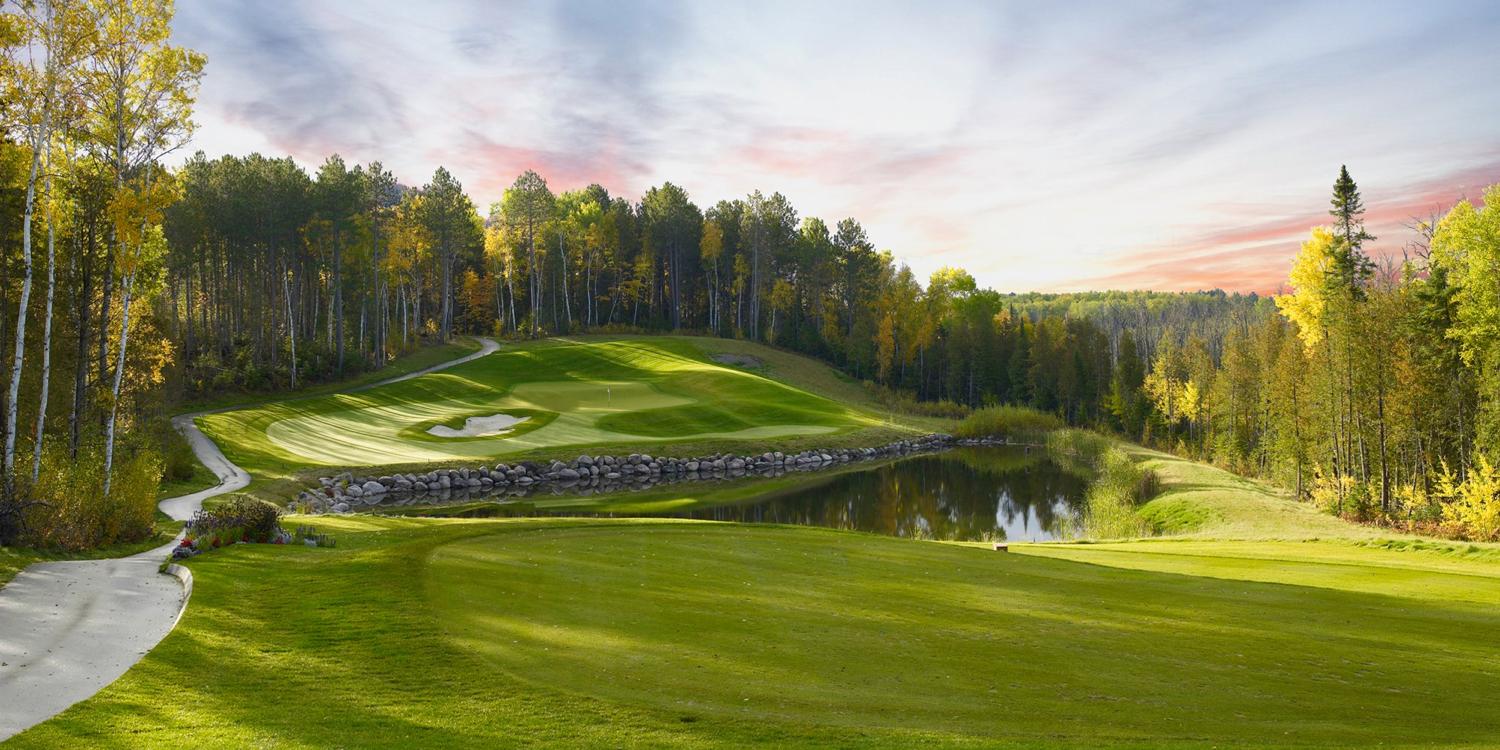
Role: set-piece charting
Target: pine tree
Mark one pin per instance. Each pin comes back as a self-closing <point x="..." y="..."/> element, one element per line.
<point x="1351" y="267"/>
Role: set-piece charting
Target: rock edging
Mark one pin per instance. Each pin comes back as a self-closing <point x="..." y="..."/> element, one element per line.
<point x="586" y="474"/>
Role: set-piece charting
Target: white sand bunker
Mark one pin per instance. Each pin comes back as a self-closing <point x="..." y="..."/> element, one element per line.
<point x="495" y="424"/>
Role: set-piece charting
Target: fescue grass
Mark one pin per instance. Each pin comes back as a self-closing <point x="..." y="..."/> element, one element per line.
<point x="1018" y="423"/>
<point x="575" y="632"/>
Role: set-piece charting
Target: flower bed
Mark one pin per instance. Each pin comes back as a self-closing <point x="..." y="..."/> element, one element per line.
<point x="242" y="520"/>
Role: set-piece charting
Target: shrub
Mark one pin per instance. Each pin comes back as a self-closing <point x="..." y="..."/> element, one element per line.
<point x="905" y="403"/>
<point x="1475" y="502"/>
<point x="238" y="519"/>
<point x="68" y="508"/>
<point x="1016" y="422"/>
<point x="178" y="461"/>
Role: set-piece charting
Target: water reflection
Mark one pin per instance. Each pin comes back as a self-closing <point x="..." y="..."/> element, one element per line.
<point x="968" y="494"/>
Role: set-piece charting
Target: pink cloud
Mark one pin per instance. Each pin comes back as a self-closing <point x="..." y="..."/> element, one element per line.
<point x="1256" y="257"/>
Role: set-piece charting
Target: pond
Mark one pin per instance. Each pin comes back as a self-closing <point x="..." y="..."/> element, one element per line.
<point x="965" y="494"/>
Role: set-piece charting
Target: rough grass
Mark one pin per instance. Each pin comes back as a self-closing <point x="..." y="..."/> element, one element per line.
<point x="581" y="632"/>
<point x="1014" y="422"/>
<point x="626" y="393"/>
<point x="1203" y="501"/>
<point x="417" y="359"/>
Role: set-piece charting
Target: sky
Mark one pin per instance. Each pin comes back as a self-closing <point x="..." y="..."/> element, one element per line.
<point x="1049" y="146"/>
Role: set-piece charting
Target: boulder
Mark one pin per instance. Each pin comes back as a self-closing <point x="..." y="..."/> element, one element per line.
<point x="372" y="488"/>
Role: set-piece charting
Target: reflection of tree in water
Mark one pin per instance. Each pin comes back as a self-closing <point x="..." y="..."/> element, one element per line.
<point x="960" y="495"/>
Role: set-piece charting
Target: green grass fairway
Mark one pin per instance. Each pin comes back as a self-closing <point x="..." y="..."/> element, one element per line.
<point x="626" y="392"/>
<point x="580" y="632"/>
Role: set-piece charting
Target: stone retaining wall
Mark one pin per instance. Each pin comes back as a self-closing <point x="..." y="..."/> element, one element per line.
<point x="588" y="475"/>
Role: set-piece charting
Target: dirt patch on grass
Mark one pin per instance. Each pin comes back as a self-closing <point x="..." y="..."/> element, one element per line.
<point x="739" y="360"/>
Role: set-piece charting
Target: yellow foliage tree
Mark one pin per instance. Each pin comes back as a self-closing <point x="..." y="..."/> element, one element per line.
<point x="1475" y="502"/>
<point x="1307" y="305"/>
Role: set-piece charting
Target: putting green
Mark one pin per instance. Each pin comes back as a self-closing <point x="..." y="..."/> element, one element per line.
<point x="380" y="434"/>
<point x="577" y="393"/>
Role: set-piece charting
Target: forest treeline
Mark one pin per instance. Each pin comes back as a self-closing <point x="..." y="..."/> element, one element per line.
<point x="275" y="274"/>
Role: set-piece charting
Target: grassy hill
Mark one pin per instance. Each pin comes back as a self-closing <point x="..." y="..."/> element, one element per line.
<point x="576" y="394"/>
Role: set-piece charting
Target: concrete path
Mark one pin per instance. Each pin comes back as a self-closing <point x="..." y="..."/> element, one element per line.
<point x="486" y="347"/>
<point x="67" y="629"/>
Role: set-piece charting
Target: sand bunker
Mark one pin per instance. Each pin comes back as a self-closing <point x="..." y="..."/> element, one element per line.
<point x="495" y="424"/>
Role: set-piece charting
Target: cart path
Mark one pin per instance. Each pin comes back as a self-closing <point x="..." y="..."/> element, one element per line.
<point x="68" y="629"/>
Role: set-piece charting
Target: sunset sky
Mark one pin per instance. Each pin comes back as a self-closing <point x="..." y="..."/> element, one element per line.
<point x="1051" y="146"/>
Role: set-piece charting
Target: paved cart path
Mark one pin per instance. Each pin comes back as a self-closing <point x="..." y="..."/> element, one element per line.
<point x="68" y="629"/>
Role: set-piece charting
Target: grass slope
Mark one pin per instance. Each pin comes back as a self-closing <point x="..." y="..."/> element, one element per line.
<point x="1202" y="501"/>
<point x="632" y="392"/>
<point x="417" y="359"/>
<point x="201" y="478"/>
<point x="568" y="633"/>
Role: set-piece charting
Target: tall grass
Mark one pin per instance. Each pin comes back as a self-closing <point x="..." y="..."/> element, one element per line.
<point x="1117" y="487"/>
<point x="1012" y="422"/>
<point x="1080" y="449"/>
<point x="1113" y="498"/>
<point x="903" y="402"/>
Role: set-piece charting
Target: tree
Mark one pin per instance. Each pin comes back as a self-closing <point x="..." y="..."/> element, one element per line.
<point x="337" y="197"/>
<point x="379" y="197"/>
<point x="711" y="249"/>
<point x="526" y="209"/>
<point x="1466" y="250"/>
<point x="43" y="68"/>
<point x="672" y="224"/>
<point x="449" y="218"/>
<point x="140" y="94"/>
<point x="1350" y="268"/>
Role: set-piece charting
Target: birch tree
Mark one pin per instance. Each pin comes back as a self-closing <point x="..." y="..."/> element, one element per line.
<point x="50" y="39"/>
<point x="140" y="96"/>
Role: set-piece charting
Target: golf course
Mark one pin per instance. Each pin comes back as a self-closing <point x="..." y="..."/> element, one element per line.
<point x="1252" y="621"/>
<point x="720" y="375"/>
<point x="563" y="395"/>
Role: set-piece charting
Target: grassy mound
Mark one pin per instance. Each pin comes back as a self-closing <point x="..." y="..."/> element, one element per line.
<point x="632" y="392"/>
<point x="575" y="632"/>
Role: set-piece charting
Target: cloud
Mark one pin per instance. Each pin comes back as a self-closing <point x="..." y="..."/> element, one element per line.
<point x="1257" y="256"/>
<point x="1060" y="145"/>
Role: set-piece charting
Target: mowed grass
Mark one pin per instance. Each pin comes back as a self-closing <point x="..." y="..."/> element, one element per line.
<point x="631" y="392"/>
<point x="585" y="632"/>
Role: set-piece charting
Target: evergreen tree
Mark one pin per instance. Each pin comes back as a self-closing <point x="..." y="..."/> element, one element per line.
<point x="1351" y="267"/>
